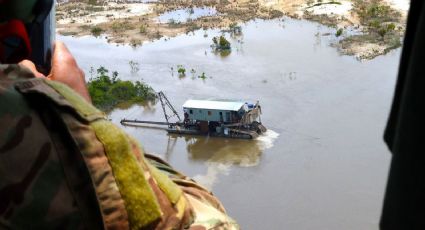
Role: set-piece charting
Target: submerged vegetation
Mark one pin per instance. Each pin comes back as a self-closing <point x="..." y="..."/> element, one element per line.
<point x="134" y="66"/>
<point x="202" y="76"/>
<point x="221" y="44"/>
<point x="181" y="70"/>
<point x="339" y="32"/>
<point x="235" y="28"/>
<point x="108" y="91"/>
<point x="96" y="31"/>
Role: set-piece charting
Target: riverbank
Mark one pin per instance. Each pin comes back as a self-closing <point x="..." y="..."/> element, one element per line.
<point x="364" y="29"/>
<point x="122" y="24"/>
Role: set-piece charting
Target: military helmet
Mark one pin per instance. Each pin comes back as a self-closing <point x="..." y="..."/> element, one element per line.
<point x="20" y="23"/>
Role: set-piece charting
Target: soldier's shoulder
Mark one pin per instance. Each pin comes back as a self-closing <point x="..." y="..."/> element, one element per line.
<point x="14" y="72"/>
<point x="32" y="177"/>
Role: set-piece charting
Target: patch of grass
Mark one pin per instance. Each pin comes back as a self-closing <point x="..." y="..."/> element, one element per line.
<point x="120" y="26"/>
<point x="276" y="14"/>
<point x="143" y="29"/>
<point x="96" y="31"/>
<point x="394" y="43"/>
<point x="85" y="27"/>
<point x="92" y="2"/>
<point x="176" y="24"/>
<point x="69" y="7"/>
<point x="68" y="33"/>
<point x="375" y="14"/>
<point x="91" y="8"/>
<point x="135" y="42"/>
<point x="202" y="76"/>
<point x="322" y="18"/>
<point x="391" y="26"/>
<point x="374" y="10"/>
<point x="339" y="32"/>
<point x="117" y="8"/>
<point x="156" y="35"/>
<point x="192" y="26"/>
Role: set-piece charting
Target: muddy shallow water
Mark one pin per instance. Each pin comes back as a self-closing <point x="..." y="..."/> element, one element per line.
<point x="186" y="14"/>
<point x="322" y="165"/>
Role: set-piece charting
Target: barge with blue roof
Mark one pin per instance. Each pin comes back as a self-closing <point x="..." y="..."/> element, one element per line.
<point x="231" y="119"/>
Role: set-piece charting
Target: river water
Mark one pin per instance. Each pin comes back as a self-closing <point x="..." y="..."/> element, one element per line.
<point x="322" y="164"/>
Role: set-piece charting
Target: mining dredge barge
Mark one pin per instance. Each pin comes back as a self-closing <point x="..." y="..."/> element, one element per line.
<point x="231" y="119"/>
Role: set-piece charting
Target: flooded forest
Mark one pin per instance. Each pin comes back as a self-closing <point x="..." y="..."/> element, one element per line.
<point x="324" y="73"/>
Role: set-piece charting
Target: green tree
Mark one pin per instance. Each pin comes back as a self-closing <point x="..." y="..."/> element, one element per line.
<point x="339" y="32"/>
<point x="96" y="31"/>
<point x="181" y="70"/>
<point x="108" y="91"/>
<point x="221" y="43"/>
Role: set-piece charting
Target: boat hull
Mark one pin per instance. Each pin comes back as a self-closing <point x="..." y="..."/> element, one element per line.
<point x="230" y="133"/>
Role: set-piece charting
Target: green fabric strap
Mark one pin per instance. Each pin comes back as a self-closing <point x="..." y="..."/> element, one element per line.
<point x="141" y="204"/>
<point x="171" y="190"/>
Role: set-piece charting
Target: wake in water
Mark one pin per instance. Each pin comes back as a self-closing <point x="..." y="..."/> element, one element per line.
<point x="248" y="155"/>
<point x="267" y="139"/>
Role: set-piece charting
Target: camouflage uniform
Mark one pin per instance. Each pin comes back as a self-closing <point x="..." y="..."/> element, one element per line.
<point x="64" y="166"/>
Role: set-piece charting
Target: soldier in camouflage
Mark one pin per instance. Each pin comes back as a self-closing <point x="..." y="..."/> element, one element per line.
<point x="63" y="165"/>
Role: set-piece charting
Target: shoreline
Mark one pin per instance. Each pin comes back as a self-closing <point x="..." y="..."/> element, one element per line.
<point x="380" y="24"/>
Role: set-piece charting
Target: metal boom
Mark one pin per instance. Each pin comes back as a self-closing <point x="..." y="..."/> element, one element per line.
<point x="165" y="102"/>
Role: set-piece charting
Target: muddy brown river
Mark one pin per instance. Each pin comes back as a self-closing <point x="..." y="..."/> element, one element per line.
<point x="322" y="164"/>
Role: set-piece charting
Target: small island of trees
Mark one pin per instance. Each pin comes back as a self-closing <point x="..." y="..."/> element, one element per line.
<point x="109" y="91"/>
<point x="221" y="44"/>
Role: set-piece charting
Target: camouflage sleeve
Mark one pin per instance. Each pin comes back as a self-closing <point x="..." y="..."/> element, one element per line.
<point x="34" y="190"/>
<point x="107" y="179"/>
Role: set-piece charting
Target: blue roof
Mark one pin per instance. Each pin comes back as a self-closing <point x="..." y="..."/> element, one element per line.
<point x="214" y="105"/>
